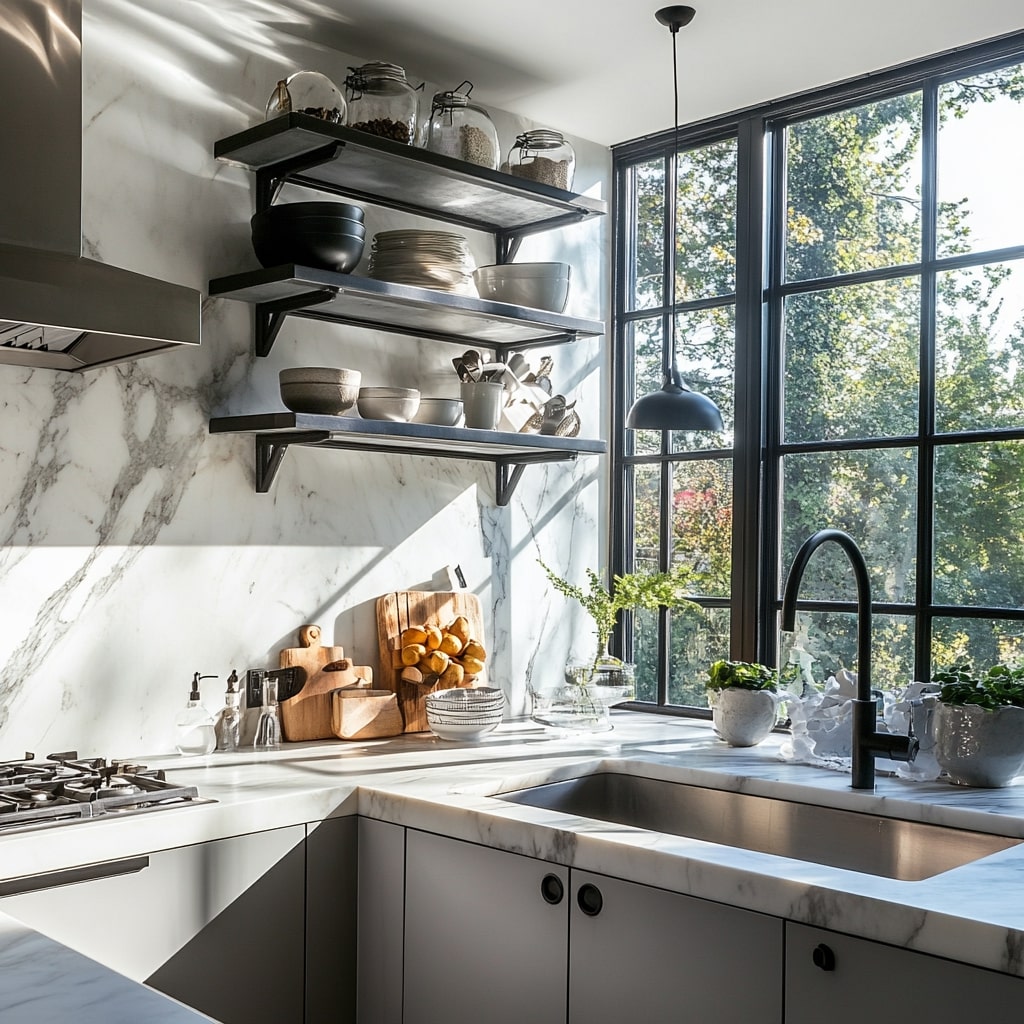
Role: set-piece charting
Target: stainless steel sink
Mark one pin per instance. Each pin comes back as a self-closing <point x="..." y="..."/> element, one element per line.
<point x="889" y="847"/>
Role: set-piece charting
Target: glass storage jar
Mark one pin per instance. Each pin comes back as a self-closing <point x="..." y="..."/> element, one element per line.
<point x="545" y="156"/>
<point x="307" y="92"/>
<point x="459" y="128"/>
<point x="382" y="102"/>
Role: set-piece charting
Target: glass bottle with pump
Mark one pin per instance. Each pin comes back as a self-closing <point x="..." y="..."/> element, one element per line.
<point x="230" y="718"/>
<point x="194" y="723"/>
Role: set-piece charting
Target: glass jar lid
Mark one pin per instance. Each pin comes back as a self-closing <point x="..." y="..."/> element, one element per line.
<point x="374" y="71"/>
<point x="540" y="138"/>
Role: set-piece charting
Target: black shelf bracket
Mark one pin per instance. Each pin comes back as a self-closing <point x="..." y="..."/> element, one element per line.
<point x="271" y="178"/>
<point x="271" y="449"/>
<point x="506" y="476"/>
<point x="270" y="315"/>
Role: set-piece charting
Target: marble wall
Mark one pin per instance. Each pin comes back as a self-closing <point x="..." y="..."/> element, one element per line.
<point x="134" y="549"/>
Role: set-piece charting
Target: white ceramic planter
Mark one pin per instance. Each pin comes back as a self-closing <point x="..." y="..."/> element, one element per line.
<point x="978" y="747"/>
<point x="743" y="717"/>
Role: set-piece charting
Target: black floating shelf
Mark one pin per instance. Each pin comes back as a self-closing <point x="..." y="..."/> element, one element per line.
<point x="306" y="150"/>
<point x="510" y="453"/>
<point x="278" y="292"/>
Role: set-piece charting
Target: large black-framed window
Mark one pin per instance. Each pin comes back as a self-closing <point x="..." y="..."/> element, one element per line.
<point x="848" y="287"/>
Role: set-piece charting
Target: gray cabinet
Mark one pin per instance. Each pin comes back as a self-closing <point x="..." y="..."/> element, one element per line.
<point x="847" y="980"/>
<point x="381" y="921"/>
<point x="331" y="900"/>
<point x="485" y="935"/>
<point x="641" y="953"/>
<point x="219" y="925"/>
<point x="501" y="937"/>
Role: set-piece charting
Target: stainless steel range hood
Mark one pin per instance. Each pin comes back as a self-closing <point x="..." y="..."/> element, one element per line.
<point x="59" y="309"/>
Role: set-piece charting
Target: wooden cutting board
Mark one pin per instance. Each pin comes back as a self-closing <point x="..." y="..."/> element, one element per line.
<point x="307" y="715"/>
<point x="405" y="608"/>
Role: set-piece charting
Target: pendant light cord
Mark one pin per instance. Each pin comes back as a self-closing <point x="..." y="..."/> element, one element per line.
<point x="673" y="371"/>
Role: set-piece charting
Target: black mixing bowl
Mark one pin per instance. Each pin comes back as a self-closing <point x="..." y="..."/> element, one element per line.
<point x="327" y="235"/>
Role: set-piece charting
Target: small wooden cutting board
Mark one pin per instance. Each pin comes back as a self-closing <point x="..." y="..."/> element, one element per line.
<point x="405" y="608"/>
<point x="307" y="715"/>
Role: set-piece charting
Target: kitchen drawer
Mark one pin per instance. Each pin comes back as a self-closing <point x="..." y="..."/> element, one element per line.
<point x="218" y="925"/>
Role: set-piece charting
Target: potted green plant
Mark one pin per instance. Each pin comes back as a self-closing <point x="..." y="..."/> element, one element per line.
<point x="603" y="680"/>
<point x="743" y="697"/>
<point x="979" y="724"/>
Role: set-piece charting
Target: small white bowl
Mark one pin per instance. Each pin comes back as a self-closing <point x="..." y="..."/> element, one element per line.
<point x="398" y="405"/>
<point x="443" y="412"/>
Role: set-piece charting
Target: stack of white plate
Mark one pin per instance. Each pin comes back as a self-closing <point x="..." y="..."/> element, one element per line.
<point x="465" y="713"/>
<point x="427" y="259"/>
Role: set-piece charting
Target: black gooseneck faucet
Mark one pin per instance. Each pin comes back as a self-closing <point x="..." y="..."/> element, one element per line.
<point x="868" y="743"/>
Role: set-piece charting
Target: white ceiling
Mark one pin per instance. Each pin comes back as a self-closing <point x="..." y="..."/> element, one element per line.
<point x="602" y="69"/>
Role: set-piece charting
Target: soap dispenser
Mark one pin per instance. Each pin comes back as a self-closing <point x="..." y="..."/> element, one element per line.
<point x="230" y="717"/>
<point x="194" y="724"/>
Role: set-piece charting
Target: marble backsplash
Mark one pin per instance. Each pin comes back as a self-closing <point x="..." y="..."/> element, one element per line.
<point x="134" y="549"/>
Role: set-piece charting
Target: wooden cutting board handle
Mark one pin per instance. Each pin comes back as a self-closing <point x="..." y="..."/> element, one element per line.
<point x="309" y="635"/>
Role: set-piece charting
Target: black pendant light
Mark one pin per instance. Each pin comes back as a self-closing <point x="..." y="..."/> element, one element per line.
<point x="675" y="406"/>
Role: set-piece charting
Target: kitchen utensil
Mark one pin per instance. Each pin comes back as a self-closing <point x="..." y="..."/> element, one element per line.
<point x="482" y="402"/>
<point x="359" y="713"/>
<point x="396" y="404"/>
<point x="404" y="608"/>
<point x="307" y="715"/>
<point x="316" y="234"/>
<point x="555" y="410"/>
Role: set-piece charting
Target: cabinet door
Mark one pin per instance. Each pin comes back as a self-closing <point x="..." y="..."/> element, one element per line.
<point x="846" y="980"/>
<point x="485" y="935"/>
<point x="381" y="921"/>
<point x="218" y="926"/>
<point x="331" y="893"/>
<point x="640" y="953"/>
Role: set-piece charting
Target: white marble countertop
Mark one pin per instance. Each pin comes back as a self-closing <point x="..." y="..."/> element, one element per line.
<point x="974" y="913"/>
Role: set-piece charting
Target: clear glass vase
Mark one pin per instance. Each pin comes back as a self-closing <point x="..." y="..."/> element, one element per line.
<point x="581" y="700"/>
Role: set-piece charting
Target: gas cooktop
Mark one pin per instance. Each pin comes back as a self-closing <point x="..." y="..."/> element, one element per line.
<point x="63" y="789"/>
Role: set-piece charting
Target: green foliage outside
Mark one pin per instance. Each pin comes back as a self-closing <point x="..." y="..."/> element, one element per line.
<point x="851" y="371"/>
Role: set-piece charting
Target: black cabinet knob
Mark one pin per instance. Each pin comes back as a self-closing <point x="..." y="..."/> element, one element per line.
<point x="551" y="889"/>
<point x="590" y="900"/>
<point x="823" y="957"/>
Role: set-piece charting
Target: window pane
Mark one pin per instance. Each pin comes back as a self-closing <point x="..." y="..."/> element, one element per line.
<point x="706" y="222"/>
<point x="706" y="357"/>
<point x="979" y="524"/>
<point x="979" y="158"/>
<point x="698" y="639"/>
<point x="646" y="262"/>
<point x="644" y="340"/>
<point x="871" y="495"/>
<point x="853" y="190"/>
<point x="985" y="641"/>
<point x="830" y="638"/>
<point x="979" y="376"/>
<point x="702" y="524"/>
<point x="646" y="517"/>
<point x="851" y="362"/>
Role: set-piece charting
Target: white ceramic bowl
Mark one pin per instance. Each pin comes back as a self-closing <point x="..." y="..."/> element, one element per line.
<point x="534" y="285"/>
<point x="396" y="404"/>
<point x="443" y="412"/>
<point x="467" y="698"/>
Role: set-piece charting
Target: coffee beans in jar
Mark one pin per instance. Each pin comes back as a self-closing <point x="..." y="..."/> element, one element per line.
<point x="381" y="101"/>
<point x="308" y="92"/>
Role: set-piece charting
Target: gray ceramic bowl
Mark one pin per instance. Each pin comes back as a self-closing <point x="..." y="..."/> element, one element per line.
<point x="319" y="398"/>
<point x="319" y="375"/>
<point x="443" y="412"/>
<point x="396" y="404"/>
